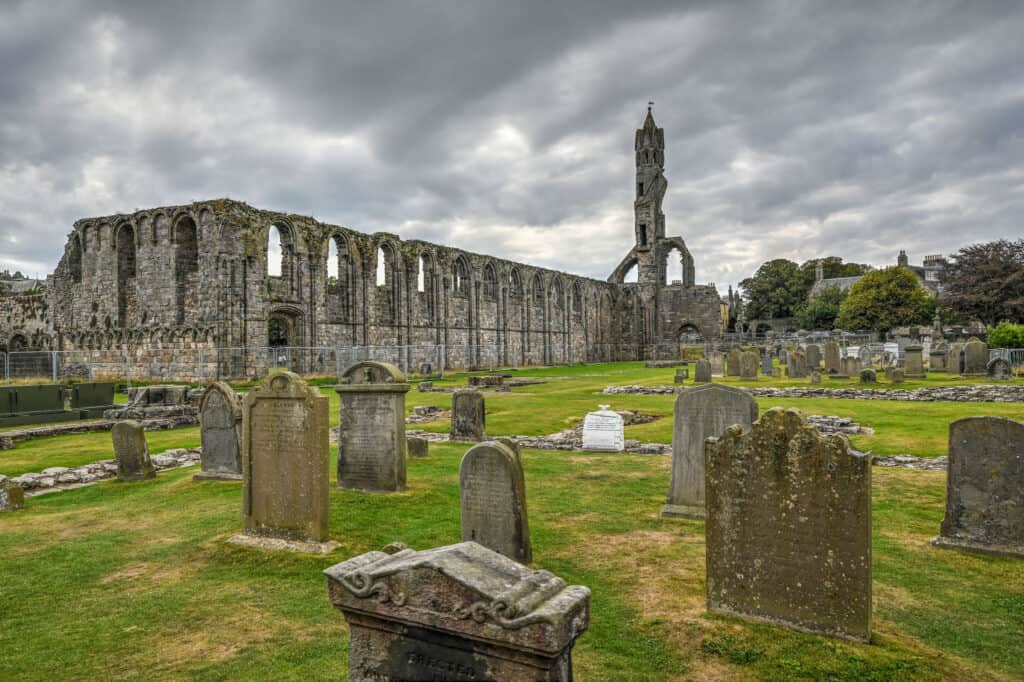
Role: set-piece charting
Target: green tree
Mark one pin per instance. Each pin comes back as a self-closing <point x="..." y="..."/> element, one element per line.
<point x="775" y="290"/>
<point x="986" y="281"/>
<point x="820" y="311"/>
<point x="1006" y="335"/>
<point x="883" y="299"/>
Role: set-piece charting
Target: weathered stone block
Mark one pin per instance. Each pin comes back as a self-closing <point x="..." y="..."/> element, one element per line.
<point x="461" y="612"/>
<point x="999" y="369"/>
<point x="131" y="452"/>
<point x="469" y="416"/>
<point x="12" y="496"/>
<point x="702" y="371"/>
<point x="417" y="447"/>
<point x="220" y="431"/>
<point x="492" y="494"/>
<point x="975" y="358"/>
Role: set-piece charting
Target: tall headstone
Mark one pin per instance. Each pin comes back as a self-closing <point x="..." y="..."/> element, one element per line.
<point x="461" y="612"/>
<point x="766" y="363"/>
<point x="895" y="375"/>
<point x="833" y="360"/>
<point x="938" y="358"/>
<point x="975" y="361"/>
<point x="220" y="431"/>
<point x="999" y="369"/>
<point x="285" y="461"/>
<point x="604" y="431"/>
<point x="813" y="353"/>
<point x="717" y="364"/>
<point x="701" y="412"/>
<point x="789" y="527"/>
<point x="851" y="366"/>
<point x="864" y="353"/>
<point x="748" y="365"/>
<point x="492" y="494"/>
<point x="12" y="496"/>
<point x="955" y="358"/>
<point x="985" y="487"/>
<point x="797" y="367"/>
<point x="913" y="362"/>
<point x="702" y="372"/>
<point x="371" y="429"/>
<point x="131" y="451"/>
<point x="468" y="415"/>
<point x="732" y="362"/>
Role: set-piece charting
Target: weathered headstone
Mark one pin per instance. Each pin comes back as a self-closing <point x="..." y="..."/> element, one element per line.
<point x="682" y="375"/>
<point x="813" y="353"/>
<point x="766" y="363"/>
<point x="833" y="360"/>
<point x="776" y="372"/>
<point x="220" y="431"/>
<point x="12" y="496"/>
<point x="492" y="494"/>
<point x="975" y="358"/>
<point x="468" y="415"/>
<point x="955" y="358"/>
<point x="425" y="386"/>
<point x="913" y="362"/>
<point x="895" y="375"/>
<point x="851" y="366"/>
<point x="604" y="431"/>
<point x="285" y="460"/>
<point x="999" y="369"/>
<point x="815" y="377"/>
<point x="797" y="367"/>
<point x="702" y="371"/>
<point x="131" y="452"/>
<point x="371" y="431"/>
<point x="417" y="447"/>
<point x="783" y="357"/>
<point x="788" y="527"/>
<point x="732" y="362"/>
<point x="748" y="365"/>
<point x="938" y="358"/>
<point x="717" y="364"/>
<point x="461" y="612"/>
<point x="701" y="412"/>
<point x="868" y="376"/>
<point x="864" y="354"/>
<point x="985" y="487"/>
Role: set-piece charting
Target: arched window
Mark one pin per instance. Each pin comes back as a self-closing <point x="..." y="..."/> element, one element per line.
<point x="420" y="275"/>
<point x="460" y="277"/>
<point x="75" y="258"/>
<point x="577" y="301"/>
<point x="339" y="278"/>
<point x="631" y="275"/>
<point x="332" y="261"/>
<point x="673" y="266"/>
<point x="557" y="293"/>
<point x="515" y="284"/>
<point x="275" y="251"/>
<point x="538" y="290"/>
<point x="490" y="283"/>
<point x="386" y="280"/>
<point x="186" y="262"/>
<point x="425" y="281"/>
<point x="124" y="242"/>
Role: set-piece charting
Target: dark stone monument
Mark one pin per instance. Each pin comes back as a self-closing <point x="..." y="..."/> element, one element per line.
<point x="220" y="419"/>
<point x="492" y="494"/>
<point x="461" y="612"/>
<point x="417" y="447"/>
<point x="131" y="451"/>
<point x="12" y="497"/>
<point x="815" y="377"/>
<point x="371" y="430"/>
<point x="702" y="372"/>
<point x="895" y="375"/>
<point x="975" y="362"/>
<point x="868" y="376"/>
<point x="813" y="353"/>
<point x="701" y="412"/>
<point x="468" y="415"/>
<point x="938" y="358"/>
<point x="985" y="487"/>
<point x="682" y="375"/>
<point x="833" y="359"/>
<point x="766" y="363"/>
<point x="913" y="362"/>
<point x="789" y="527"/>
<point x="285" y="460"/>
<point x="999" y="369"/>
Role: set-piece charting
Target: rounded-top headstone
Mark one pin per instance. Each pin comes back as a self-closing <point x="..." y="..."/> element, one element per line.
<point x="868" y="376"/>
<point x="999" y="369"/>
<point x="372" y="372"/>
<point x="220" y="431"/>
<point x="492" y="493"/>
<point x="469" y="415"/>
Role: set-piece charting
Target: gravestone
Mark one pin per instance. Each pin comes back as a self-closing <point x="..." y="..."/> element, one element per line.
<point x="851" y="366"/>
<point x="92" y="395"/>
<point x="788" y="527"/>
<point x="776" y="372"/>
<point x="748" y="365"/>
<point x="371" y="432"/>
<point x="975" y="361"/>
<point x="717" y="364"/>
<point x="985" y="487"/>
<point x="895" y="375"/>
<point x="220" y="431"/>
<point x="733" y="362"/>
<point x="492" y="496"/>
<point x="699" y="413"/>
<point x="12" y="496"/>
<point x="864" y="354"/>
<point x="285" y="460"/>
<point x="955" y="358"/>
<point x="813" y="353"/>
<point x="999" y="369"/>
<point x="131" y="452"/>
<point x="833" y="360"/>
<point x="702" y="372"/>
<point x="913" y="362"/>
<point x="783" y="357"/>
<point x="815" y="377"/>
<point x="682" y="375"/>
<point x="938" y="358"/>
<point x="797" y="367"/>
<point x="461" y="612"/>
<point x="425" y="386"/>
<point x="868" y="376"/>
<point x="417" y="447"/>
<point x="766" y="364"/>
<point x="468" y="415"/>
<point x="604" y="431"/>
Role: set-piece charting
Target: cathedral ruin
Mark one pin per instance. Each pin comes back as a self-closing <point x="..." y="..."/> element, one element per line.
<point x="205" y="278"/>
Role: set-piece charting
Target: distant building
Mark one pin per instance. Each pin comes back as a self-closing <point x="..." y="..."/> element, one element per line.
<point x="929" y="274"/>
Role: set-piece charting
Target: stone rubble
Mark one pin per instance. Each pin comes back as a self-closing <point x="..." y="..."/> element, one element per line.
<point x="64" y="477"/>
<point x="980" y="393"/>
<point x="9" y="438"/>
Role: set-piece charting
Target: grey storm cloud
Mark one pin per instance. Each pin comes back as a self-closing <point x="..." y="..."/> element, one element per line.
<point x="793" y="129"/>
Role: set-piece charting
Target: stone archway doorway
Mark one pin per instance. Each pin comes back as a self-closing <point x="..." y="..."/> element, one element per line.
<point x="688" y="336"/>
<point x="285" y="338"/>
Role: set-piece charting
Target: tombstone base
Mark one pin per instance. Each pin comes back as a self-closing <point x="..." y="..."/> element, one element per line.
<point x="838" y="376"/>
<point x="682" y="511"/>
<point x="135" y="478"/>
<point x="862" y="638"/>
<point x="303" y="546"/>
<point x="976" y="548"/>
<point x="216" y="476"/>
<point x="916" y="376"/>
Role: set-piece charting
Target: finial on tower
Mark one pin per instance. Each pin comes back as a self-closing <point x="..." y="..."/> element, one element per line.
<point x="650" y="104"/>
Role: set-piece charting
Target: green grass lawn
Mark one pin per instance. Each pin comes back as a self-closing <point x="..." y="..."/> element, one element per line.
<point x="136" y="580"/>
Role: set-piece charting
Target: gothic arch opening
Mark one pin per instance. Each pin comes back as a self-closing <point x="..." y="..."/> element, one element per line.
<point x="460" y="276"/>
<point x="186" y="263"/>
<point x="425" y="281"/>
<point x="339" y="278"/>
<point x="515" y="284"/>
<point x="124" y="241"/>
<point x="490" y="288"/>
<point x="632" y="275"/>
<point x="75" y="259"/>
<point x="674" y="267"/>
<point x="275" y="251"/>
<point x="577" y="301"/>
<point x="387" y="281"/>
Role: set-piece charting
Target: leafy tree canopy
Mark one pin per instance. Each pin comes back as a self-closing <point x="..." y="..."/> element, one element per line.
<point x="986" y="281"/>
<point x="883" y="299"/>
<point x="820" y="311"/>
<point x="1006" y="335"/>
<point x="774" y="291"/>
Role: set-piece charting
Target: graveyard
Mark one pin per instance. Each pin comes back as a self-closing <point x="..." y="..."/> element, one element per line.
<point x="138" y="579"/>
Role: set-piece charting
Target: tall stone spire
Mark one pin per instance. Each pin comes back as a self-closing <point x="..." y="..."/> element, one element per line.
<point x="649" y="221"/>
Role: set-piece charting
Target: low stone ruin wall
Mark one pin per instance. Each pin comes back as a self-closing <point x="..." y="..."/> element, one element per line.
<point x="9" y="438"/>
<point x="983" y="393"/>
<point x="73" y="477"/>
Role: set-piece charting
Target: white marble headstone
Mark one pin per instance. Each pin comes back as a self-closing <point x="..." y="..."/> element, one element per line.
<point x="603" y="431"/>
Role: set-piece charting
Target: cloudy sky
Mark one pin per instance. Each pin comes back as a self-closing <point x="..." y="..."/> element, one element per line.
<point x="793" y="129"/>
